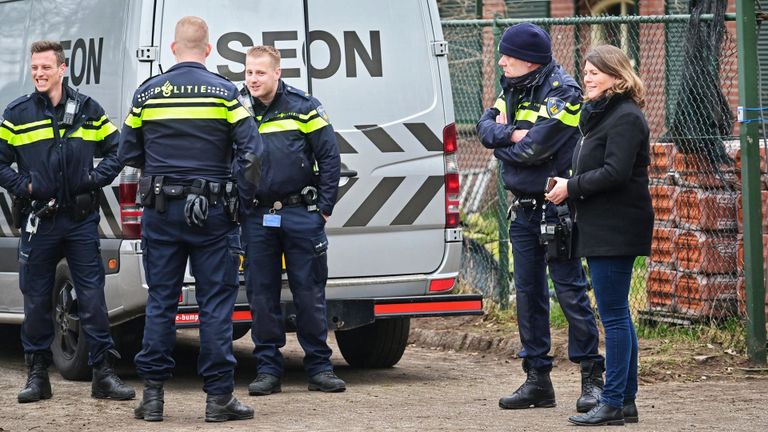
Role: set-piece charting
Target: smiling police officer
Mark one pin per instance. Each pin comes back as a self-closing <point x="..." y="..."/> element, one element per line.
<point x="53" y="136"/>
<point x="294" y="200"/>
<point x="181" y="131"/>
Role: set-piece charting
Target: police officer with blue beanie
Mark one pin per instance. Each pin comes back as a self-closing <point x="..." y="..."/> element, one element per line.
<point x="533" y="130"/>
<point x="181" y="131"/>
<point x="295" y="198"/>
<point x="53" y="135"/>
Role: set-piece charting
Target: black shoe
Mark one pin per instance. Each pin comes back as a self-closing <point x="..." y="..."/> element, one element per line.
<point x="591" y="385"/>
<point x="536" y="391"/>
<point x="38" y="384"/>
<point x="264" y="384"/>
<point x="226" y="407"/>
<point x="630" y="412"/>
<point x="106" y="384"/>
<point x="326" y="382"/>
<point x="151" y="406"/>
<point x="601" y="415"/>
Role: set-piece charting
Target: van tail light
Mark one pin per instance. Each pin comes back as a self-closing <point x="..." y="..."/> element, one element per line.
<point x="452" y="217"/>
<point x="130" y="211"/>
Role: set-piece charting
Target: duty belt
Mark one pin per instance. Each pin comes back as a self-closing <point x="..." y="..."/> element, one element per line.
<point x="528" y="201"/>
<point x="293" y="200"/>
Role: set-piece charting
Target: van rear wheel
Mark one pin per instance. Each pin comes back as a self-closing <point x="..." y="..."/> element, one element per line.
<point x="70" y="352"/>
<point x="380" y="344"/>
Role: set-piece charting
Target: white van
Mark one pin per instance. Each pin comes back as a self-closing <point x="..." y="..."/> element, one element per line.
<point x="381" y="71"/>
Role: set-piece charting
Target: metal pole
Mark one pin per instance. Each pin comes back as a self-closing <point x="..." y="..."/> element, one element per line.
<point x="502" y="285"/>
<point x="479" y="9"/>
<point x="746" y="37"/>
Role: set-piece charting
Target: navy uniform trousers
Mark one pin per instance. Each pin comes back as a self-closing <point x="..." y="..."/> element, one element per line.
<point x="59" y="237"/>
<point x="301" y="237"/>
<point x="214" y="253"/>
<point x="533" y="295"/>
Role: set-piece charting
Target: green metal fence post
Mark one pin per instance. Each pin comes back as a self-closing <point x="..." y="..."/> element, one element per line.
<point x="502" y="285"/>
<point x="746" y="37"/>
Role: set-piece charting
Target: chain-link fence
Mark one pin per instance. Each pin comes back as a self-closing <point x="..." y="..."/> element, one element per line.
<point x="689" y="67"/>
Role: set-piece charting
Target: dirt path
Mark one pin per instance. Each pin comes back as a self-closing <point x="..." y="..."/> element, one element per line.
<point x="430" y="389"/>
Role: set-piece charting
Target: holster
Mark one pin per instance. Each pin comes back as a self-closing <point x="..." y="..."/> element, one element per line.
<point x="559" y="245"/>
<point x="19" y="209"/>
<point x="231" y="201"/>
<point x="146" y="194"/>
<point x="83" y="204"/>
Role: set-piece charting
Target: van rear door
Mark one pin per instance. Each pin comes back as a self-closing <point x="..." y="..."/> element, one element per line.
<point x="374" y="70"/>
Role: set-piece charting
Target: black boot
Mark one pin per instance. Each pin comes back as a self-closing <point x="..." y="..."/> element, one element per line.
<point x="536" y="391"/>
<point x="600" y="415"/>
<point x="221" y="408"/>
<point x="38" y="385"/>
<point x="591" y="385"/>
<point x="151" y="406"/>
<point x="106" y="384"/>
<point x="630" y="412"/>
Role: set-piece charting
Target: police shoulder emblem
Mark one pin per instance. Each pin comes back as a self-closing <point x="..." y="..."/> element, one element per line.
<point x="554" y="106"/>
<point x="321" y="112"/>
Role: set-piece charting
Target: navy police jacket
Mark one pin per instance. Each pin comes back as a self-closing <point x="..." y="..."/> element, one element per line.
<point x="549" y="108"/>
<point x="188" y="124"/>
<point x="300" y="147"/>
<point x="56" y="159"/>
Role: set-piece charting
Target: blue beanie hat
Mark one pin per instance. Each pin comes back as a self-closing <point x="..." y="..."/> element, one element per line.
<point x="527" y="42"/>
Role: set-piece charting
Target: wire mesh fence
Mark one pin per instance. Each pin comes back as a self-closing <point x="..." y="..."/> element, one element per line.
<point x="689" y="67"/>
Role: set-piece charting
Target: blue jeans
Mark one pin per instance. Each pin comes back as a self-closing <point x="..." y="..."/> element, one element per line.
<point x="611" y="278"/>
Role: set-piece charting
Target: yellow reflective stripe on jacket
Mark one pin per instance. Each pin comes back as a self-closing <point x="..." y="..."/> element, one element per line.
<point x="94" y="134"/>
<point x="237" y="114"/>
<point x="568" y="118"/>
<point x="531" y="115"/>
<point x="190" y="101"/>
<point x="31" y="137"/>
<point x="293" y="124"/>
<point x="6" y="134"/>
<point x="501" y="105"/>
<point x="184" y="113"/>
<point x="153" y="109"/>
<point x="133" y="120"/>
<point x="25" y="125"/>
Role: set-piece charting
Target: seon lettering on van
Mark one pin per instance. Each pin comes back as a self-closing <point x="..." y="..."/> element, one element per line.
<point x="83" y="58"/>
<point x="351" y="48"/>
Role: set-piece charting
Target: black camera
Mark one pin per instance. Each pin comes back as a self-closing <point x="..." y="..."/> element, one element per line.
<point x="557" y="235"/>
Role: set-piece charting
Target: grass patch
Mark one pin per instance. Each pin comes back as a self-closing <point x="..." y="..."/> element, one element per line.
<point x="729" y="334"/>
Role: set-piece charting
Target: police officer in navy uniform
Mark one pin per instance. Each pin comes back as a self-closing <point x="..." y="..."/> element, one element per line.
<point x="533" y="131"/>
<point x="53" y="136"/>
<point x="295" y="199"/>
<point x="180" y="131"/>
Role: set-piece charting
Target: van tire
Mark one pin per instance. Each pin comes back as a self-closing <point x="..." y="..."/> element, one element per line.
<point x="380" y="344"/>
<point x="70" y="351"/>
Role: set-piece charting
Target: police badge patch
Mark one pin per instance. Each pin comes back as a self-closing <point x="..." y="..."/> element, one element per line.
<point x="321" y="112"/>
<point x="554" y="106"/>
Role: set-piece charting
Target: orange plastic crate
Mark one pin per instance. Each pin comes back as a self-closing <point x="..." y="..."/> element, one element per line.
<point x="703" y="252"/>
<point x="706" y="210"/>
<point x="663" y="200"/>
<point x="704" y="296"/>
<point x="694" y="170"/>
<point x="663" y="245"/>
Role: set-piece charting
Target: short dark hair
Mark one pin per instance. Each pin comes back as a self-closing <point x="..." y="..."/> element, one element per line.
<point x="47" y="45"/>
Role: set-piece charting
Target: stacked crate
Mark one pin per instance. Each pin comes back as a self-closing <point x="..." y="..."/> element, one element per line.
<point x="692" y="270"/>
<point x="742" y="285"/>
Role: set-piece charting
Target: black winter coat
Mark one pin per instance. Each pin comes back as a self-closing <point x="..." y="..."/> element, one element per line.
<point x="609" y="187"/>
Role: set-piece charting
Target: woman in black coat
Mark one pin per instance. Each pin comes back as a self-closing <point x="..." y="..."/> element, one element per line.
<point x="613" y="217"/>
